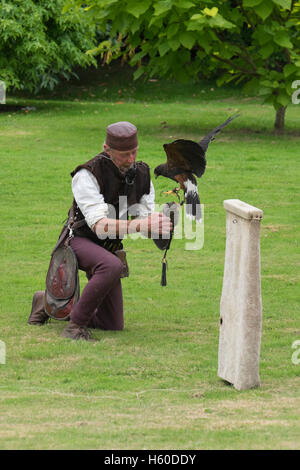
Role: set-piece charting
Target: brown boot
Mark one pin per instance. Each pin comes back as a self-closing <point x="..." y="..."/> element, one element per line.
<point x="75" y="331"/>
<point x="38" y="315"/>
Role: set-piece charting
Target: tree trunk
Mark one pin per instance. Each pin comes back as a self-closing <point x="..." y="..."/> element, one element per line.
<point x="279" y="121"/>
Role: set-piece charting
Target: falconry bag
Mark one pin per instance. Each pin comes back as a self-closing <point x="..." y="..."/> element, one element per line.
<point x="62" y="283"/>
<point x="62" y="280"/>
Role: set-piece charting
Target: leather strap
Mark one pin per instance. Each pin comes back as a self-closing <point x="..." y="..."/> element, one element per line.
<point x="78" y="224"/>
<point x="69" y="225"/>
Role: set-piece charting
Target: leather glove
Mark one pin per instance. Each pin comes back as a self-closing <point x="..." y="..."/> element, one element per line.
<point x="171" y="210"/>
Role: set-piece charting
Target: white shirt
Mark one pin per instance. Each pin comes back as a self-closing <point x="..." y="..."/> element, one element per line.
<point x="87" y="194"/>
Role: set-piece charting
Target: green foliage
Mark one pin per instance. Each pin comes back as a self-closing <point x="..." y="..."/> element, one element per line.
<point x="251" y="42"/>
<point x="39" y="44"/>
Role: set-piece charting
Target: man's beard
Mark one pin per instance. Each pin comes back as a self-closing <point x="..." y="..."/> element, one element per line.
<point x="124" y="169"/>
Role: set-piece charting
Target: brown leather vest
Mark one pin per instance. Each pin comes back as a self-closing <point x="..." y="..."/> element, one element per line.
<point x="112" y="184"/>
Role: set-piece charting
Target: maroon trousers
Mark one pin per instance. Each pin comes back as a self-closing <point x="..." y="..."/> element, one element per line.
<point x="101" y="301"/>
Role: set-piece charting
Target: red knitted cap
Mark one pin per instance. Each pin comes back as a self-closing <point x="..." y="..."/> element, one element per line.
<point x="121" y="136"/>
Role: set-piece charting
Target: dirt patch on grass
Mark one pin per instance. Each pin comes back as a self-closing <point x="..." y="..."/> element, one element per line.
<point x="276" y="228"/>
<point x="281" y="277"/>
<point x="14" y="133"/>
<point x="269" y="407"/>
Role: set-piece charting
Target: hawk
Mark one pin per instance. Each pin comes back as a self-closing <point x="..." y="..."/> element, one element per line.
<point x="186" y="158"/>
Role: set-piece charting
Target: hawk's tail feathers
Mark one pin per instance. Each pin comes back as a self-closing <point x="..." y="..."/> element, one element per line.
<point x="192" y="205"/>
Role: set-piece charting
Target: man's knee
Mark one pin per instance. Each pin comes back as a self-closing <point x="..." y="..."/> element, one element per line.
<point x="119" y="326"/>
<point x="116" y="266"/>
<point x="106" y="324"/>
<point x="116" y="324"/>
<point x="112" y="267"/>
<point x="114" y="328"/>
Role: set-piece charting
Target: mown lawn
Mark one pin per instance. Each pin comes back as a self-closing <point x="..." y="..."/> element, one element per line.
<point x="155" y="384"/>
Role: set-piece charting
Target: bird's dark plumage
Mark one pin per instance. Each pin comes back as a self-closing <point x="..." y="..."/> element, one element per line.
<point x="186" y="158"/>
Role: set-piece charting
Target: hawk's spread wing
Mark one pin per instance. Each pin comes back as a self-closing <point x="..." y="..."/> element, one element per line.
<point x="185" y="155"/>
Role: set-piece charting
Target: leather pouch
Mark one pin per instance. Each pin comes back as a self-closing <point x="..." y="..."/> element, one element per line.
<point x="121" y="254"/>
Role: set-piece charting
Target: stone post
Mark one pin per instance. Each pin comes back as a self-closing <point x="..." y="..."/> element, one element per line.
<point x="241" y="305"/>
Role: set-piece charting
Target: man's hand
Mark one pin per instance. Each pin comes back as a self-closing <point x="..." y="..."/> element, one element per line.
<point x="156" y="224"/>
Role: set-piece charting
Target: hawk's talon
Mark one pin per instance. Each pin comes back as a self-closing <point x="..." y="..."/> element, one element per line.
<point x="173" y="191"/>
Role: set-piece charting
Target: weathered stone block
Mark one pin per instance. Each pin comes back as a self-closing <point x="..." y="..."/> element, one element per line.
<point x="241" y="304"/>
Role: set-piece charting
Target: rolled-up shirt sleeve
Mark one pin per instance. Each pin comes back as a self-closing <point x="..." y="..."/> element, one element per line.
<point x="86" y="192"/>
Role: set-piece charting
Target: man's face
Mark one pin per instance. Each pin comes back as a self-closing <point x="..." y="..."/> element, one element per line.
<point x="122" y="159"/>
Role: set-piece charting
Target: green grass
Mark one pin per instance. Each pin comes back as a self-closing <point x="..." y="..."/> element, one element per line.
<point x="153" y="385"/>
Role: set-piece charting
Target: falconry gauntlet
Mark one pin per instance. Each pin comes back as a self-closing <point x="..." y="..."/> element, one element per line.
<point x="171" y="210"/>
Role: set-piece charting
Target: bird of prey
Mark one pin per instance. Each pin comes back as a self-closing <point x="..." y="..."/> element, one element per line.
<point x="186" y="158"/>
